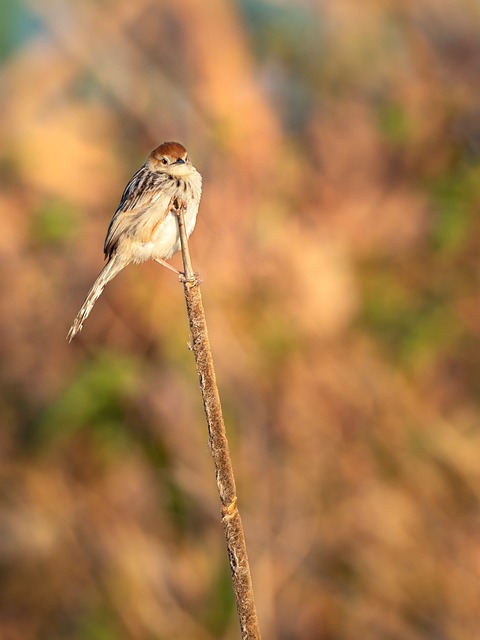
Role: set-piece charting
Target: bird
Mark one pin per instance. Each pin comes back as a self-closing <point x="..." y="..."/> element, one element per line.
<point x="144" y="226"/>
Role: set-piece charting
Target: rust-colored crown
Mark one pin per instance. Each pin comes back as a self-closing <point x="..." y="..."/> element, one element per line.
<point x="172" y="149"/>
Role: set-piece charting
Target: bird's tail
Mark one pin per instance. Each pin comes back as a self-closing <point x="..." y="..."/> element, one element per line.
<point x="109" y="271"/>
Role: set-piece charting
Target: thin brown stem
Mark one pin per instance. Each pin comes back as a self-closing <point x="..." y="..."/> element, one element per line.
<point x="218" y="443"/>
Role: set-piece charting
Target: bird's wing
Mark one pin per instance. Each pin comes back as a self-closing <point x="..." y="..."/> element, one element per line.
<point x="144" y="190"/>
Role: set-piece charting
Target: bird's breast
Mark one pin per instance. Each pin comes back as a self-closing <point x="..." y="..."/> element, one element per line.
<point x="160" y="236"/>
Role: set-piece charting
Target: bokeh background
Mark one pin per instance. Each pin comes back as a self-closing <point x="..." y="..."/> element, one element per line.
<point x="338" y="241"/>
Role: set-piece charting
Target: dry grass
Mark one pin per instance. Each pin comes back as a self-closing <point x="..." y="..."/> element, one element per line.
<point x="218" y="444"/>
<point x="338" y="241"/>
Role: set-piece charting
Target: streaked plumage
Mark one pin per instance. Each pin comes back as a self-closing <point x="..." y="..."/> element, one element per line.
<point x="144" y="227"/>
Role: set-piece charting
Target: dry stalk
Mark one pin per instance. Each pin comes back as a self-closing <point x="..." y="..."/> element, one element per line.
<point x="218" y="443"/>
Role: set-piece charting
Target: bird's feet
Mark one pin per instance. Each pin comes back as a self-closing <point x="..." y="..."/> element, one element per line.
<point x="195" y="280"/>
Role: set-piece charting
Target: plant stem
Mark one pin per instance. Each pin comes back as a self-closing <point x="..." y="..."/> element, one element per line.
<point x="218" y="443"/>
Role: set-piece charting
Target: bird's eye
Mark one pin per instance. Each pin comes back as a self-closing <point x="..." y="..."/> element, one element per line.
<point x="164" y="161"/>
<point x="187" y="159"/>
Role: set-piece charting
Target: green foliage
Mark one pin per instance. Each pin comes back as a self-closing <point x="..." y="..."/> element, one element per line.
<point x="287" y="31"/>
<point x="455" y="197"/>
<point x="220" y="607"/>
<point x="98" y="626"/>
<point x="95" y="398"/>
<point x="411" y="323"/>
<point x="394" y="124"/>
<point x="178" y="505"/>
<point x="17" y="24"/>
<point x="54" y="223"/>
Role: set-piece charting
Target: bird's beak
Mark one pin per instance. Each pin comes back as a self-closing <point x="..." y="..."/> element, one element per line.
<point x="180" y="168"/>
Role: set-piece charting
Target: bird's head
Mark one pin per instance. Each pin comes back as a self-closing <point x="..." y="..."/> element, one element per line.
<point x="171" y="158"/>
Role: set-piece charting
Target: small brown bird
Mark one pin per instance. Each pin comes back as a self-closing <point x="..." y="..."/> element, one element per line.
<point x="144" y="227"/>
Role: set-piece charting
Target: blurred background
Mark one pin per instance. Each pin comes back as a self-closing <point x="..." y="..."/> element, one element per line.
<point x="338" y="242"/>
